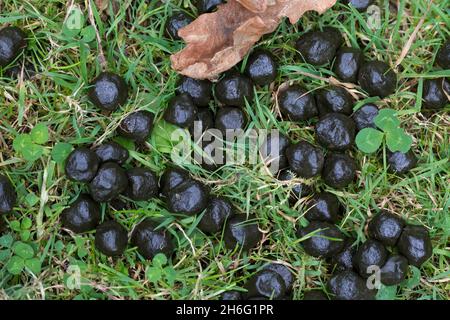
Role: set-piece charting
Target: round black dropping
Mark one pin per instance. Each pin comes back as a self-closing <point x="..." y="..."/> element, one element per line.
<point x="213" y="156"/>
<point x="297" y="104"/>
<point x="175" y="23"/>
<point x="313" y="295"/>
<point x="204" y="6"/>
<point x="339" y="170"/>
<point x="231" y="295"/>
<point x="435" y="93"/>
<point x="110" y="181"/>
<point x="305" y="160"/>
<point x="204" y="119"/>
<point x="360" y="5"/>
<point x="347" y="285"/>
<point x="336" y="132"/>
<point x="112" y="151"/>
<point x="386" y="227"/>
<point x="81" y="216"/>
<point x="172" y="178"/>
<point x="234" y="89"/>
<point x="142" y="184"/>
<point x="377" y="78"/>
<point x="394" y="270"/>
<point x="298" y="190"/>
<point x="199" y="90"/>
<point x="344" y="260"/>
<point x="401" y="163"/>
<point x="12" y="42"/>
<point x="215" y="215"/>
<point x="137" y="126"/>
<point x="325" y="243"/>
<point x="151" y="240"/>
<point x="319" y="47"/>
<point x="334" y="99"/>
<point x="108" y="91"/>
<point x="347" y="63"/>
<point x="230" y="118"/>
<point x="181" y="111"/>
<point x="273" y="150"/>
<point x="8" y="195"/>
<point x="415" y="245"/>
<point x="261" y="68"/>
<point x="365" y="116"/>
<point x="371" y="253"/>
<point x="325" y="207"/>
<point x="265" y="283"/>
<point x="443" y="55"/>
<point x="82" y="165"/>
<point x="111" y="238"/>
<point x="190" y="197"/>
<point x="241" y="232"/>
<point x="284" y="272"/>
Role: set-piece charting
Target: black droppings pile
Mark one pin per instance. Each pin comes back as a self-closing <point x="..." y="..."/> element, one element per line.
<point x="12" y="43"/>
<point x="82" y="215"/>
<point x="364" y="117"/>
<point x="109" y="182"/>
<point x="108" y="91"/>
<point x="319" y="47"/>
<point x="175" y="23"/>
<point x="347" y="64"/>
<point x="111" y="238"/>
<point x="323" y="207"/>
<point x="137" y="126"/>
<point x="339" y="170"/>
<point x="82" y="165"/>
<point x="198" y="90"/>
<point x="336" y="132"/>
<point x="142" y="184"/>
<point x="297" y="104"/>
<point x="401" y="163"/>
<point x="181" y="111"/>
<point x="242" y="233"/>
<point x="324" y="239"/>
<point x="334" y="99"/>
<point x="218" y="211"/>
<point x="234" y="89"/>
<point x="435" y="93"/>
<point x="151" y="240"/>
<point x="261" y="68"/>
<point x="305" y="160"/>
<point x="377" y="78"/>
<point x="8" y="195"/>
<point x="112" y="151"/>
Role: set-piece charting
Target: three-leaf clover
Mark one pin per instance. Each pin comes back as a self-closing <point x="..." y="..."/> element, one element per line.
<point x="21" y="256"/>
<point x="159" y="271"/>
<point x="369" y="140"/>
<point x="30" y="145"/>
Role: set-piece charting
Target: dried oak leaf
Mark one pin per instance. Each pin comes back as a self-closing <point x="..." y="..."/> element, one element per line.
<point x="217" y="41"/>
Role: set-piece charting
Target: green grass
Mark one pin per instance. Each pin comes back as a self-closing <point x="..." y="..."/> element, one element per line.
<point x="134" y="45"/>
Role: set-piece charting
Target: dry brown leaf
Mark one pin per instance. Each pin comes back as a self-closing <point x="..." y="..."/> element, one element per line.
<point x="217" y="41"/>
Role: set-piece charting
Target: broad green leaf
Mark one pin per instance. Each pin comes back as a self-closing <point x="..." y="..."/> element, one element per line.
<point x="369" y="140"/>
<point x="159" y="260"/>
<point x="398" y="140"/>
<point x="387" y="293"/>
<point x="162" y="136"/>
<point x="25" y="235"/>
<point x="15" y="265"/>
<point x="171" y="275"/>
<point x="153" y="274"/>
<point x="39" y="134"/>
<point x="4" y="254"/>
<point x="88" y="34"/>
<point x="15" y="225"/>
<point x="6" y="241"/>
<point x="22" y="142"/>
<point x="74" y="23"/>
<point x="34" y="265"/>
<point x="387" y="119"/>
<point x="26" y="223"/>
<point x="23" y="250"/>
<point x="31" y="199"/>
<point x="33" y="152"/>
<point x="414" y="279"/>
<point x="61" y="151"/>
